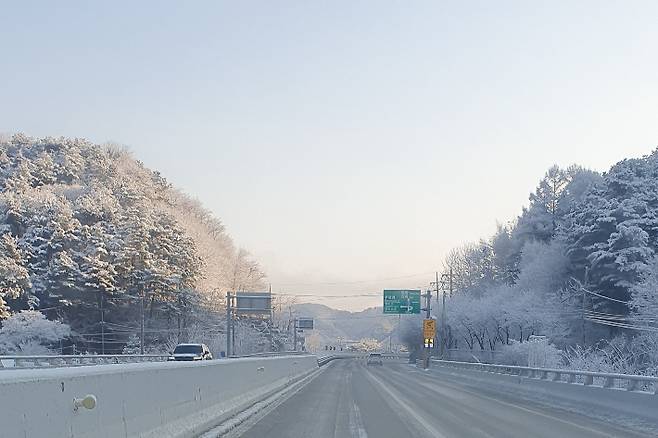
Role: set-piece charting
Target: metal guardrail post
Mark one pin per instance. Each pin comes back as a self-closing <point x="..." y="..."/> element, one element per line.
<point x="631" y="385"/>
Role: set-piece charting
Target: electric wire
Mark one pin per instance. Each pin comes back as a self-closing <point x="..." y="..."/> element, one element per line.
<point x="337" y="283"/>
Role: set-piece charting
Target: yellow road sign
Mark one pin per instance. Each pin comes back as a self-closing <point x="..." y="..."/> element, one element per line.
<point x="429" y="328"/>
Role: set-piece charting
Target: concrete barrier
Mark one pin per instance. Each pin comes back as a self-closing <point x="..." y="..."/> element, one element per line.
<point x="174" y="399"/>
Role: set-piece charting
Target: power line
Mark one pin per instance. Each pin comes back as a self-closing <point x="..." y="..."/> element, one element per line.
<point x="629" y="318"/>
<point x="337" y="283"/>
<point x="605" y="297"/>
<point x="329" y="297"/>
<point x="622" y="325"/>
<point x="606" y="316"/>
<point x="217" y="328"/>
<point x="350" y="318"/>
<point x="51" y="308"/>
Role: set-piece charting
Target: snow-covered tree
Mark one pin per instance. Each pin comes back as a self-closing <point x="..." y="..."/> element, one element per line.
<point x="644" y="300"/>
<point x="14" y="276"/>
<point x="132" y="345"/>
<point x="366" y="345"/>
<point x="614" y="231"/>
<point x="472" y="267"/>
<point x="90" y="231"/>
<point x="29" y="332"/>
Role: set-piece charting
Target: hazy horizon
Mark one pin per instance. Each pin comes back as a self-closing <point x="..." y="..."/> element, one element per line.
<point x="343" y="144"/>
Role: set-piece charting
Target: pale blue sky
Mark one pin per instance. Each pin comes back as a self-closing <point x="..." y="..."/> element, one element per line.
<point x="346" y="140"/>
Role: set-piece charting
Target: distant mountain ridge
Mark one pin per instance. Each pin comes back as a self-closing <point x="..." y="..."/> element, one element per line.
<point x="332" y="325"/>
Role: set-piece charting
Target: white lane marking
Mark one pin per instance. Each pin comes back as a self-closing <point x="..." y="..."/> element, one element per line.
<point x="404" y="377"/>
<point x="343" y="385"/>
<point x="432" y="431"/>
<point x="357" y="428"/>
<point x="541" y="414"/>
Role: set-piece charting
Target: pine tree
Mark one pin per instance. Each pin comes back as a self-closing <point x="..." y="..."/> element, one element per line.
<point x="132" y="345"/>
<point x="14" y="276"/>
<point x="614" y="231"/>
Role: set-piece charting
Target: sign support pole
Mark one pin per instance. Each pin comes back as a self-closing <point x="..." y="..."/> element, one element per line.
<point x="294" y="336"/>
<point x="428" y="315"/>
<point x="228" y="324"/>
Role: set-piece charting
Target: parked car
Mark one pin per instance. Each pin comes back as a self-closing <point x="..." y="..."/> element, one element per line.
<point x="191" y="352"/>
<point x="374" y="359"/>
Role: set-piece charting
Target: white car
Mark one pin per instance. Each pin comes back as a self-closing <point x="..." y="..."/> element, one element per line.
<point x="374" y="359"/>
<point x="191" y="352"/>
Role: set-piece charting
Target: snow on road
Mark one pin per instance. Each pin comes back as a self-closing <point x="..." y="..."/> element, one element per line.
<point x="352" y="400"/>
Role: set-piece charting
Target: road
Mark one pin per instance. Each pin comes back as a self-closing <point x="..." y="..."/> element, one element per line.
<point x="349" y="399"/>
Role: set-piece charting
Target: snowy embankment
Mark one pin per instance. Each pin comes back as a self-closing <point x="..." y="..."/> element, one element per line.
<point x="634" y="409"/>
<point x="174" y="399"/>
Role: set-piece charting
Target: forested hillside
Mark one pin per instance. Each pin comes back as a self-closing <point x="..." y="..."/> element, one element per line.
<point x="97" y="243"/>
<point x="578" y="266"/>
<point x="86" y="231"/>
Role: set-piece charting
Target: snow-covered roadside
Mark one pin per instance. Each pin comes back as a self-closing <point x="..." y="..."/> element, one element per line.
<point x="241" y="421"/>
<point x="634" y="410"/>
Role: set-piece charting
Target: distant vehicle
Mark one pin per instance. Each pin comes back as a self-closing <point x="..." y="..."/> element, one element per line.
<point x="374" y="359"/>
<point x="191" y="352"/>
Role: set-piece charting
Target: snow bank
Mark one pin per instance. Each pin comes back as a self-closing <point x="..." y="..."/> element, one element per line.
<point x="638" y="410"/>
<point x="174" y="399"/>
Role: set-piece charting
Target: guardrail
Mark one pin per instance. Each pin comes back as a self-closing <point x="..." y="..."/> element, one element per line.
<point x="626" y="382"/>
<point x="270" y="354"/>
<point x="326" y="359"/>
<point x="49" y="361"/>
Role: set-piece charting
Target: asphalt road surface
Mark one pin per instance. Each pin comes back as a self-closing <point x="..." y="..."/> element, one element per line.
<point x="396" y="400"/>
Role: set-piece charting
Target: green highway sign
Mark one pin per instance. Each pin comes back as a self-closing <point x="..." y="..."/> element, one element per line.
<point x="401" y="301"/>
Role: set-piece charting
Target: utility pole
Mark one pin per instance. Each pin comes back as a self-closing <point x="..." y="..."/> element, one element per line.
<point x="102" y="325"/>
<point x="272" y="307"/>
<point x="445" y="278"/>
<point x="443" y="333"/>
<point x="141" y="328"/>
<point x="584" y="287"/>
<point x="444" y="325"/>
<point x="428" y="315"/>
<point x="451" y="282"/>
<point x="399" y="337"/>
<point x="234" y="321"/>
